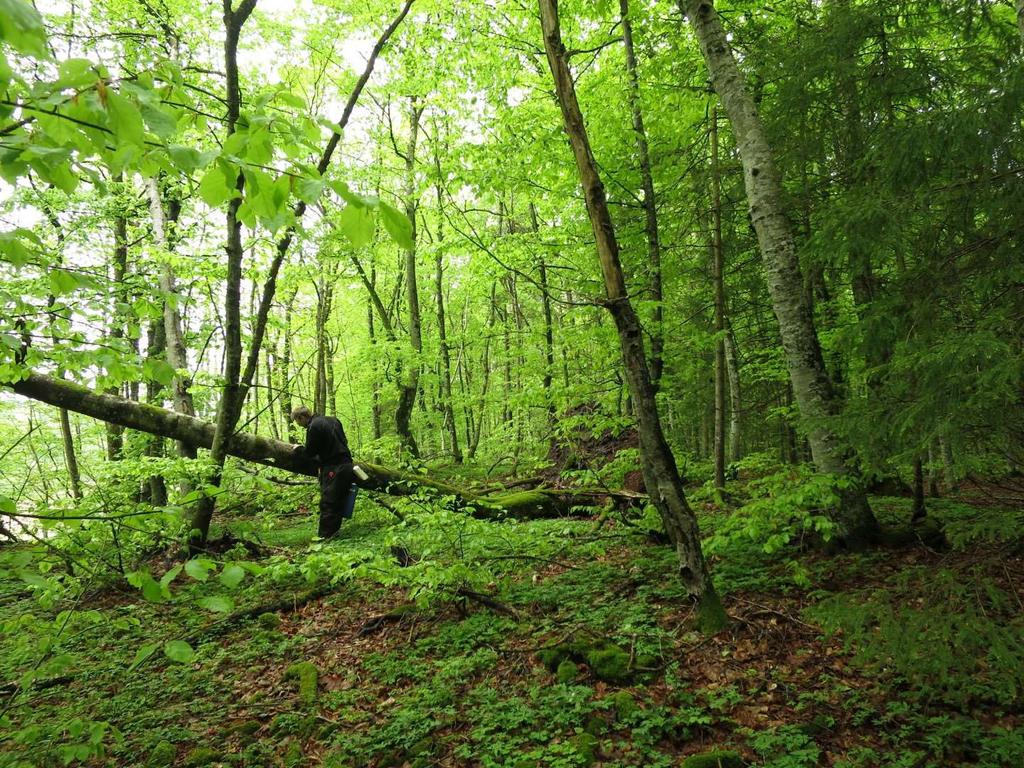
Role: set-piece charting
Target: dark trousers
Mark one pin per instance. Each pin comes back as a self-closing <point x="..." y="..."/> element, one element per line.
<point x="335" y="482"/>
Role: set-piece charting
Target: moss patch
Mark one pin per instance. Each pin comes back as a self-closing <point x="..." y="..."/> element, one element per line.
<point x="163" y="755"/>
<point x="306" y="673"/>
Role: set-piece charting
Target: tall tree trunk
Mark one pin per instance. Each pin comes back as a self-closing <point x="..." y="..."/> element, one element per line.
<point x="948" y="465"/>
<point x="650" y="204"/>
<point x="156" y="344"/>
<point x="447" y="407"/>
<point x="332" y="392"/>
<point x="814" y="393"/>
<point x="410" y="387"/>
<point x="325" y="294"/>
<point x="485" y="366"/>
<point x="230" y="403"/>
<point x="919" y="512"/>
<point x="549" y="334"/>
<point x="115" y="433"/>
<point x="285" y="368"/>
<point x="661" y="475"/>
<point x="174" y="339"/>
<point x="268" y="361"/>
<point x="374" y="379"/>
<point x="735" y="398"/>
<point x="67" y="439"/>
<point x="718" y="277"/>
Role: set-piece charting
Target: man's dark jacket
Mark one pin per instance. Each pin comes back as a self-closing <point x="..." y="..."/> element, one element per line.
<point x="326" y="442"/>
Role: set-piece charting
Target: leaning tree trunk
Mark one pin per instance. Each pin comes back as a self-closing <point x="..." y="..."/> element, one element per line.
<point x="524" y="505"/>
<point x="812" y="387"/>
<point x="661" y="475"/>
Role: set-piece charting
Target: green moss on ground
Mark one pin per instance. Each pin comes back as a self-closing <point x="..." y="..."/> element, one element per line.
<point x="162" y="755"/>
<point x="307" y="674"/>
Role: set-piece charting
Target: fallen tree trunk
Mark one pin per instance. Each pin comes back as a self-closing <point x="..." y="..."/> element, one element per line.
<point x="523" y="505"/>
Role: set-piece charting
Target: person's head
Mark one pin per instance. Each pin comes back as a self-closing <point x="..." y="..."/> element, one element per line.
<point x="302" y="416"/>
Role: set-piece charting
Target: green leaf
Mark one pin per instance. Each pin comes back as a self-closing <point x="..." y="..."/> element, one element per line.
<point x="13" y="249"/>
<point x="235" y="143"/>
<point x="151" y="590"/>
<point x="125" y="119"/>
<point x="357" y="224"/>
<point x="291" y="99"/>
<point x="398" y="225"/>
<point x="346" y="194"/>
<point x="7" y="505"/>
<point x="215" y="187"/>
<point x="75" y="73"/>
<point x="22" y="28"/>
<point x="217" y="604"/>
<point x="62" y="281"/>
<point x="160" y="120"/>
<point x="309" y="190"/>
<point x="179" y="651"/>
<point x="199" y="569"/>
<point x="144" y="652"/>
<point x="188" y="159"/>
<point x="168" y="577"/>
<point x="33" y="579"/>
<point x="159" y="371"/>
<point x="232" y="576"/>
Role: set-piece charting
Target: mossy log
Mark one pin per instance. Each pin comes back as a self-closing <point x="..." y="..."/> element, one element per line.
<point x="520" y="505"/>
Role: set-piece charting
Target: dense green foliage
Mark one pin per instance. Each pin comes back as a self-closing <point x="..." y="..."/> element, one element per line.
<point x="382" y="219"/>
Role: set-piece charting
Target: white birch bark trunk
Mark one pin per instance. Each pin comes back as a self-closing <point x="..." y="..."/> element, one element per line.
<point x="812" y="388"/>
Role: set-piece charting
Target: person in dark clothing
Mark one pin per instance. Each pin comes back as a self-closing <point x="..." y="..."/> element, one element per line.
<point x="326" y="444"/>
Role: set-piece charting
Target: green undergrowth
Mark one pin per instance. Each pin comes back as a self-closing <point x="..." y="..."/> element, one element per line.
<point x="590" y="654"/>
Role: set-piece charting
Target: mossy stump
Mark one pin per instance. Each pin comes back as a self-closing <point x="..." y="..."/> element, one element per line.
<point x="567" y="671"/>
<point x="586" y="745"/>
<point x="607" y="661"/>
<point x="624" y="705"/>
<point x="162" y="755"/>
<point x="307" y="674"/>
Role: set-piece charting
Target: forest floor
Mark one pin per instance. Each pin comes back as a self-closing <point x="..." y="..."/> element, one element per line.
<point x="909" y="655"/>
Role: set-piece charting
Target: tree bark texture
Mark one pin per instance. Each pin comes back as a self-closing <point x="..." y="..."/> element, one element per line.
<point x="174" y="340"/>
<point x="115" y="434"/>
<point x="732" y="368"/>
<point x="649" y="201"/>
<point x="447" y="407"/>
<point x="718" y="277"/>
<point x="67" y="439"/>
<point x="229" y="406"/>
<point x="409" y="388"/>
<point x="812" y="388"/>
<point x="661" y="475"/>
